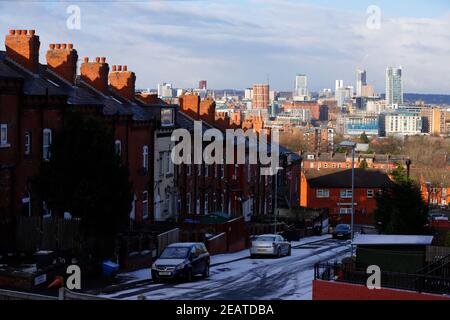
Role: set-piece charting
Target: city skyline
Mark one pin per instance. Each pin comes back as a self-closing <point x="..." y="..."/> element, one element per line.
<point x="227" y="44"/>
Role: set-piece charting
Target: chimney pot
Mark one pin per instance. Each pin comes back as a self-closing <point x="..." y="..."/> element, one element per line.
<point x="52" y="46"/>
<point x="19" y="32"/>
<point x="63" y="46"/>
<point x="86" y="59"/>
<point x="103" y="59"/>
<point x="114" y="68"/>
<point x="119" y="68"/>
<point x="24" y="32"/>
<point x="97" y="59"/>
<point x="12" y="32"/>
<point x="70" y="45"/>
<point x="125" y="68"/>
<point x="58" y="46"/>
<point x="32" y="32"/>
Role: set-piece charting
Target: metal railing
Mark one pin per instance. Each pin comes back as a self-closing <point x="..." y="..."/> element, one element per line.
<point x="394" y="280"/>
<point x="63" y="294"/>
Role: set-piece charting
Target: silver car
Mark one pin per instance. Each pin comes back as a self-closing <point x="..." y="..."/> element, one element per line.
<point x="270" y="244"/>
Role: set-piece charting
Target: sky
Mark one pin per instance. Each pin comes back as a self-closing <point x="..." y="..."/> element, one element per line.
<point x="235" y="43"/>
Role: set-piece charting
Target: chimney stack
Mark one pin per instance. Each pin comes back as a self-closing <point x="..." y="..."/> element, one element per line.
<point x="123" y="81"/>
<point x="62" y="59"/>
<point x="207" y="110"/>
<point x="22" y="46"/>
<point x="95" y="73"/>
<point x="148" y="98"/>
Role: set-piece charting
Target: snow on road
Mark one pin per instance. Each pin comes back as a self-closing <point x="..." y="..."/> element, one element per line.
<point x="287" y="278"/>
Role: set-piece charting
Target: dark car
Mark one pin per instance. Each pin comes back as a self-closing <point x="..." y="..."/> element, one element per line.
<point x="342" y="231"/>
<point x="182" y="261"/>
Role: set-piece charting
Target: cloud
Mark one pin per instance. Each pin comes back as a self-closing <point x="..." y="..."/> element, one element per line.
<point x="233" y="44"/>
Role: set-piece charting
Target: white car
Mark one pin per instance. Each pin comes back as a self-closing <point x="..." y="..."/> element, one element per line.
<point x="270" y="244"/>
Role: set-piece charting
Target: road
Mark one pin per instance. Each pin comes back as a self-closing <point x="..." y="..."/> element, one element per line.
<point x="287" y="278"/>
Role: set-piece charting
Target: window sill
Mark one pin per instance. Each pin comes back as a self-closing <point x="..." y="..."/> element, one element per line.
<point x="4" y="146"/>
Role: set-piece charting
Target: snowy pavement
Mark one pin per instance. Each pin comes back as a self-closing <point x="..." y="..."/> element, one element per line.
<point x="287" y="278"/>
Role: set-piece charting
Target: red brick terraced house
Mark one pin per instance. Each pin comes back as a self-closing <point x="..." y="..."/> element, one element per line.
<point x="33" y="101"/>
<point x="34" y="98"/>
<point x="236" y="189"/>
<point x="333" y="190"/>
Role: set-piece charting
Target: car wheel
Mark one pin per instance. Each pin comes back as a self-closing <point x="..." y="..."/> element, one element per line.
<point x="206" y="272"/>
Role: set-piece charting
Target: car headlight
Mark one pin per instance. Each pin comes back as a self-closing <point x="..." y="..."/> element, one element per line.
<point x="154" y="266"/>
<point x="179" y="267"/>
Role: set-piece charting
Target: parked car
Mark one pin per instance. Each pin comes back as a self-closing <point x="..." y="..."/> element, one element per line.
<point x="438" y="217"/>
<point x="270" y="244"/>
<point x="342" y="231"/>
<point x="182" y="261"/>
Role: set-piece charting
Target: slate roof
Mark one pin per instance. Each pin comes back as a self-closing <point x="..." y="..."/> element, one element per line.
<point x="383" y="239"/>
<point x="46" y="81"/>
<point x="364" y="178"/>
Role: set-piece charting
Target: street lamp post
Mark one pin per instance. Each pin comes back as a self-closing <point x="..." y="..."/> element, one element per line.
<point x="351" y="145"/>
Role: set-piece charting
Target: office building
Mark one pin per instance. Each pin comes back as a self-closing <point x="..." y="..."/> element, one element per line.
<point x="360" y="81"/>
<point x="202" y="85"/>
<point x="399" y="122"/>
<point x="343" y="95"/>
<point x="339" y="84"/>
<point x="394" y="86"/>
<point x="260" y="99"/>
<point x="165" y="90"/>
<point x="301" y="92"/>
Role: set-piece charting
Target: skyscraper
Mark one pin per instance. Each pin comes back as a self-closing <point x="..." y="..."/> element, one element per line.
<point x="301" y="91"/>
<point x="260" y="96"/>
<point x="394" y="85"/>
<point x="339" y="84"/>
<point x="360" y="81"/>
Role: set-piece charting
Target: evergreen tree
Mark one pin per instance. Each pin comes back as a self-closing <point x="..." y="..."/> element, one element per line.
<point x="85" y="177"/>
<point x="363" y="164"/>
<point x="364" y="138"/>
<point x="400" y="209"/>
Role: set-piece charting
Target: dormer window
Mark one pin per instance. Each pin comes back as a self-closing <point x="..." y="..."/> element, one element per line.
<point x="167" y="117"/>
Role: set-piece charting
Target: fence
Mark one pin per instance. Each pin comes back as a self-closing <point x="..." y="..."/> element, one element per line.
<point x="217" y="244"/>
<point x="166" y="238"/>
<point x="34" y="233"/>
<point x="435" y="253"/>
<point x="63" y="294"/>
<point x="393" y="280"/>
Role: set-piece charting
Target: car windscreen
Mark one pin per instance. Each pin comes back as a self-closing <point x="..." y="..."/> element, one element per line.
<point x="175" y="253"/>
<point x="342" y="227"/>
<point x="270" y="239"/>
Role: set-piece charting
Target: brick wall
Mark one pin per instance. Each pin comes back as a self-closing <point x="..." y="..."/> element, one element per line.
<point x="330" y="290"/>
